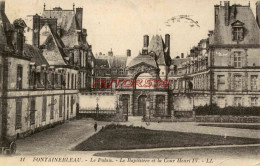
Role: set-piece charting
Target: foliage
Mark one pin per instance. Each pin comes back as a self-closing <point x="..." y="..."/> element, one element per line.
<point x="230" y="110"/>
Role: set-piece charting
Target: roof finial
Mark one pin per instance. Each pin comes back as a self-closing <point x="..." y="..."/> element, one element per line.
<point x="220" y="3"/>
<point x="44" y="5"/>
<point x="73" y="6"/>
<point x="249" y="3"/>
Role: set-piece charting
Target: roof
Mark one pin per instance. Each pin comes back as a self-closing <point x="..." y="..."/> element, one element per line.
<point x="178" y="61"/>
<point x="102" y="63"/>
<point x="35" y="54"/>
<point x="5" y="25"/>
<point x="158" y="47"/>
<point x="117" y="61"/>
<point x="69" y="25"/>
<point x="237" y="14"/>
<point x="143" y="59"/>
<point x="53" y="51"/>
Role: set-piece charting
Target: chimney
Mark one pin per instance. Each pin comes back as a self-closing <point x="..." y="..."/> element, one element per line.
<point x="2" y="6"/>
<point x="79" y="16"/>
<point x="110" y="53"/>
<point x="182" y="55"/>
<point x="167" y="43"/>
<point x="258" y="13"/>
<point x="146" y="40"/>
<point x="128" y="53"/>
<point x="36" y="30"/>
<point x="226" y="5"/>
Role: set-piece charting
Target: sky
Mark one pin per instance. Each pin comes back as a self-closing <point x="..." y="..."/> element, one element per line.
<point x="121" y="24"/>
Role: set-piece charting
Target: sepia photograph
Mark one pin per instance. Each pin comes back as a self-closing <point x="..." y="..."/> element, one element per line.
<point x="129" y="82"/>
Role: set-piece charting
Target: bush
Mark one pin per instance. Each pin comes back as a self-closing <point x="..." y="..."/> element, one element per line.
<point x="230" y="110"/>
<point x="119" y="126"/>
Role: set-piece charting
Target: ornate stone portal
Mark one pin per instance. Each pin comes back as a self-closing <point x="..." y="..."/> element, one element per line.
<point x="149" y="103"/>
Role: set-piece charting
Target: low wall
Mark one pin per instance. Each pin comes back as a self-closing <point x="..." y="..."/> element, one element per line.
<point x="228" y="119"/>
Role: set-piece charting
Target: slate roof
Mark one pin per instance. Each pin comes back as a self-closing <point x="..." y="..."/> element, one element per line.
<point x="178" y="61"/>
<point x="158" y="47"/>
<point x="35" y="54"/>
<point x="69" y="25"/>
<point x="143" y="59"/>
<point x="223" y="33"/>
<point x="102" y="63"/>
<point x="5" y="25"/>
<point x="53" y="51"/>
<point x="117" y="62"/>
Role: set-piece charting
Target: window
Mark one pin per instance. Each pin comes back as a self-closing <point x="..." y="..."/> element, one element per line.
<point x="32" y="111"/>
<point x="18" y="115"/>
<point x="254" y="101"/>
<point x="121" y="71"/>
<point x="71" y="104"/>
<point x="39" y="84"/>
<point x="237" y="82"/>
<point x="237" y="101"/>
<point x="114" y="72"/>
<point x="1" y="77"/>
<point x="237" y="59"/>
<point x="19" y="77"/>
<point x="68" y="81"/>
<point x="44" y="102"/>
<point x="238" y="33"/>
<point x="72" y="81"/>
<point x="254" y="80"/>
<point x="60" y="105"/>
<point x="220" y="82"/>
<point x="52" y="108"/>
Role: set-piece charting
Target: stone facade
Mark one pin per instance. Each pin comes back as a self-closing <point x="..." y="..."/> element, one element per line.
<point x="40" y="83"/>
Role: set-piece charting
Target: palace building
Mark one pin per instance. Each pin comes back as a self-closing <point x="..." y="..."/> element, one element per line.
<point x="56" y="76"/>
<point x="40" y="82"/>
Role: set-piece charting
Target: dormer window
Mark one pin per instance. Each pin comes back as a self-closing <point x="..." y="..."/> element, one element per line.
<point x="238" y="31"/>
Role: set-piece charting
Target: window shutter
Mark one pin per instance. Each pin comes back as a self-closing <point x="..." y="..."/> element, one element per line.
<point x="231" y="61"/>
<point x="243" y="59"/>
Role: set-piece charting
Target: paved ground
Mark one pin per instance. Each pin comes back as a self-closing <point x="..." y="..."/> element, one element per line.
<point x="57" y="140"/>
<point x="61" y="139"/>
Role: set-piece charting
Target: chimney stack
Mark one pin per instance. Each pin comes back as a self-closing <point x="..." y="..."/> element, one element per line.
<point x="182" y="55"/>
<point x="36" y="30"/>
<point x="226" y="5"/>
<point x="167" y="43"/>
<point x="79" y="16"/>
<point x="258" y="13"/>
<point x="128" y="53"/>
<point x="146" y="40"/>
<point x="2" y="6"/>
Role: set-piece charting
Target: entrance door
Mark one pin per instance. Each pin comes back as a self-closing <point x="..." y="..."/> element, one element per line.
<point x="141" y="106"/>
<point x="125" y="106"/>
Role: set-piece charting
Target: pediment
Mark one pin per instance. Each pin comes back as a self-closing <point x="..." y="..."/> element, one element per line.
<point x="237" y="23"/>
<point x="142" y="65"/>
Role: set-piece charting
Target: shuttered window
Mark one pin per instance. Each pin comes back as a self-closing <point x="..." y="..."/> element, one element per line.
<point x="32" y="111"/>
<point x="52" y="108"/>
<point x="19" y="76"/>
<point x="18" y="114"/>
<point x="44" y="103"/>
<point x="1" y="76"/>
<point x="60" y="105"/>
